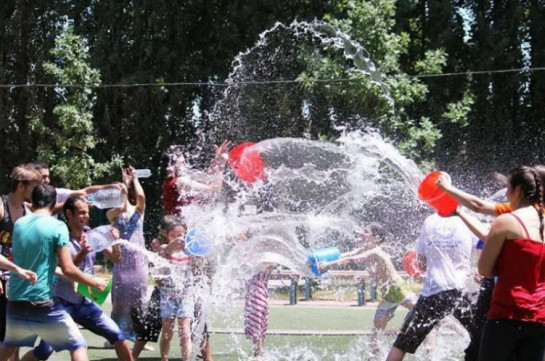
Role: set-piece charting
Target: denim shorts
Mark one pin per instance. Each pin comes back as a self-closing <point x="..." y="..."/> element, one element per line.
<point x="48" y="320"/>
<point x="176" y="305"/>
<point x="90" y="316"/>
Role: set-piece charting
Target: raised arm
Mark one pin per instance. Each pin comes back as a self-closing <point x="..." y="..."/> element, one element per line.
<point x="218" y="163"/>
<point x="468" y="200"/>
<point x="139" y="193"/>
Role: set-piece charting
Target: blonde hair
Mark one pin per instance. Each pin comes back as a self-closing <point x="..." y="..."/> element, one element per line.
<point x="24" y="174"/>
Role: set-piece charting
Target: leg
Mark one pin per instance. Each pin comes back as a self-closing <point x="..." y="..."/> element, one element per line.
<point x="137" y="348"/>
<point x="122" y="350"/>
<point x="79" y="355"/>
<point x="184" y="330"/>
<point x="7" y="352"/>
<point x="419" y="322"/>
<point x="166" y="337"/>
<point x="384" y="313"/>
<point x="206" y="354"/>
<point x="259" y="347"/>
<point x="395" y="354"/>
<point x="40" y="352"/>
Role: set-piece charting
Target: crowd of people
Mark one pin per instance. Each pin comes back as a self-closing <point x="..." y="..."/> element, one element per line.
<point x="42" y="259"/>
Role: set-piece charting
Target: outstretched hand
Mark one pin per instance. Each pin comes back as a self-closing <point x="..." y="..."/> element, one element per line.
<point x="221" y="151"/>
<point x="27" y="275"/>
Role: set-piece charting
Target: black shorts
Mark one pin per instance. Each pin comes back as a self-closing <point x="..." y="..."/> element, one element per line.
<point x="428" y="311"/>
<point x="147" y="325"/>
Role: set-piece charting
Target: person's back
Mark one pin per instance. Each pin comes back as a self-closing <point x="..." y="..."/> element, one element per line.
<point x="447" y="245"/>
<point x="520" y="295"/>
<point x="36" y="239"/>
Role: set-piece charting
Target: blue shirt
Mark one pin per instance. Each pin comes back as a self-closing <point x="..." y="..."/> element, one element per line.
<point x="64" y="288"/>
<point x="36" y="238"/>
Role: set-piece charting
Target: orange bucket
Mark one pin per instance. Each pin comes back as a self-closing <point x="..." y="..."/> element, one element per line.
<point x="430" y="193"/>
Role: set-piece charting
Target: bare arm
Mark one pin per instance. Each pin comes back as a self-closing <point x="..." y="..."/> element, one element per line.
<point x="493" y="245"/>
<point x="72" y="272"/>
<point x="23" y="273"/>
<point x="113" y="254"/>
<point x="478" y="228"/>
<point x="468" y="200"/>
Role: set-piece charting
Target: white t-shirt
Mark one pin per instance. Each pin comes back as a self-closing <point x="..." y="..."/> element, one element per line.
<point x="63" y="194"/>
<point x="447" y="244"/>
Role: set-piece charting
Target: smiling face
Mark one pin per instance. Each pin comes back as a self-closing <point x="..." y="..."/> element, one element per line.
<point x="78" y="219"/>
<point x="45" y="175"/>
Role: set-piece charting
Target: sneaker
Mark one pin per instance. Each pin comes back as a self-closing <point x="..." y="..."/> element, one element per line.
<point x="148" y="347"/>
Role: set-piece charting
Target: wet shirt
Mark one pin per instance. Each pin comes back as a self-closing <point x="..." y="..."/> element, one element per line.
<point x="36" y="238"/>
<point x="173" y="201"/>
<point x="447" y="244"/>
<point x="64" y="288"/>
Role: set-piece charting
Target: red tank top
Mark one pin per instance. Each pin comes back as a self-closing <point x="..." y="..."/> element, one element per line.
<point x="520" y="290"/>
<point x="172" y="200"/>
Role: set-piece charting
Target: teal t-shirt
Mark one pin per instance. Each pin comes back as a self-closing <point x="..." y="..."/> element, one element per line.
<point x="36" y="238"/>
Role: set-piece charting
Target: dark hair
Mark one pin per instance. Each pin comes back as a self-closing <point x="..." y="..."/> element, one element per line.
<point x="171" y="155"/>
<point x="168" y="223"/>
<point x="43" y="196"/>
<point x="529" y="181"/>
<point x="39" y="165"/>
<point x="378" y="230"/>
<point x="23" y="174"/>
<point x="70" y="204"/>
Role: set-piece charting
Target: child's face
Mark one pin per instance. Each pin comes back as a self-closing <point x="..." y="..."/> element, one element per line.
<point x="175" y="233"/>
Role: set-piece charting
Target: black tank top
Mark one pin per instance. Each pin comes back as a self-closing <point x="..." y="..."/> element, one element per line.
<point x="6" y="230"/>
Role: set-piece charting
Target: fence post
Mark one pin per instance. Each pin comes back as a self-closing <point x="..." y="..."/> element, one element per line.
<point x="361" y="292"/>
<point x="293" y="291"/>
<point x="373" y="290"/>
<point x="308" y="288"/>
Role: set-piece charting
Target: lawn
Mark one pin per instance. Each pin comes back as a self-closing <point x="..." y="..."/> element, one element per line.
<point x="282" y="317"/>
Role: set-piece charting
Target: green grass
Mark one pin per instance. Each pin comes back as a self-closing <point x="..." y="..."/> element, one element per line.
<point x="299" y="317"/>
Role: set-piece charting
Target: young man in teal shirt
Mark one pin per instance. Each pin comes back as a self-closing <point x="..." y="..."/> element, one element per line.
<point x="39" y="243"/>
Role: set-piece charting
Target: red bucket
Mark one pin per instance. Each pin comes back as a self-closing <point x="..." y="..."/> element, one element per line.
<point x="247" y="162"/>
<point x="430" y="193"/>
<point x="410" y="264"/>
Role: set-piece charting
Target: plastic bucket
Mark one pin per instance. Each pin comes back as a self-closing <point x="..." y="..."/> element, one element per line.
<point x="430" y="193"/>
<point x="94" y="294"/>
<point x="410" y="264"/>
<point x="328" y="254"/>
<point x="197" y="243"/>
<point x="246" y="163"/>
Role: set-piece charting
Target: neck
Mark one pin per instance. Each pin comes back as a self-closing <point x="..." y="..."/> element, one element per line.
<point x="77" y="233"/>
<point x="46" y="211"/>
<point x="15" y="198"/>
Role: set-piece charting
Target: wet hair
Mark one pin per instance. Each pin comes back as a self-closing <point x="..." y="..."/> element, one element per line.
<point x="23" y="174"/>
<point x="168" y="223"/>
<point x="529" y="181"/>
<point x="171" y="155"/>
<point x="378" y="230"/>
<point x="39" y="165"/>
<point x="43" y="196"/>
<point x="70" y="204"/>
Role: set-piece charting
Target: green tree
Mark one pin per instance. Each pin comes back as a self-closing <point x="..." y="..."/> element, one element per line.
<point x="66" y="143"/>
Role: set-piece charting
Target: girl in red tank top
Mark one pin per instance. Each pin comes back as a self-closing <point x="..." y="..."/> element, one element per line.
<point x="514" y="252"/>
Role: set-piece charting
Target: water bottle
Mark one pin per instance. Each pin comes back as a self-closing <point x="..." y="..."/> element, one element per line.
<point x="107" y="198"/>
<point x="142" y="173"/>
<point x="100" y="238"/>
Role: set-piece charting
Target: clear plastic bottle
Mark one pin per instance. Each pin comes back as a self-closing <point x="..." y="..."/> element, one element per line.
<point x="107" y="198"/>
<point x="142" y="173"/>
<point x="100" y="238"/>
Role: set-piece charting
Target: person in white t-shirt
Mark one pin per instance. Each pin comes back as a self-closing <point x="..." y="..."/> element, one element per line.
<point x="444" y="250"/>
<point x="64" y="193"/>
